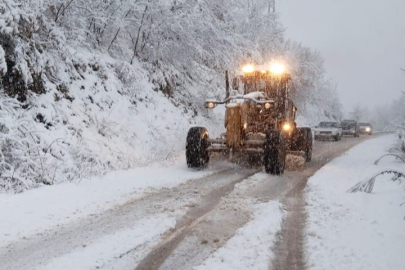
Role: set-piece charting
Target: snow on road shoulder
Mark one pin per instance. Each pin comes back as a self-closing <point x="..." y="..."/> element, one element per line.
<point x="356" y="230"/>
<point x="34" y="211"/>
<point x="250" y="247"/>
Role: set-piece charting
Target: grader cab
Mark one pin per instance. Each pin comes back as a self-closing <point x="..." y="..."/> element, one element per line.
<point x="259" y="120"/>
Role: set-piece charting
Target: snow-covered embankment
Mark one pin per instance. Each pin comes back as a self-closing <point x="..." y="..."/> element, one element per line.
<point x="357" y="230"/>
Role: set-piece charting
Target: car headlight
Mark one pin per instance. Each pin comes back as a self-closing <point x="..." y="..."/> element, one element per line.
<point x="368" y="129"/>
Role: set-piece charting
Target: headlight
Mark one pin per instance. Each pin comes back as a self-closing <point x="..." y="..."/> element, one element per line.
<point x="286" y="127"/>
<point x="368" y="129"/>
<point x="248" y="69"/>
<point x="210" y="105"/>
<point x="244" y="125"/>
<point x="267" y="106"/>
<point x="277" y="68"/>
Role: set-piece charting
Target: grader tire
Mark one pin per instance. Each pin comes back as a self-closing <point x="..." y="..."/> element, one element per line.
<point x="197" y="154"/>
<point x="274" y="152"/>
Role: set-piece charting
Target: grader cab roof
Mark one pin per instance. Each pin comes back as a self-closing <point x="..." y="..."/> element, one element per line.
<point x="270" y="79"/>
<point x="260" y="98"/>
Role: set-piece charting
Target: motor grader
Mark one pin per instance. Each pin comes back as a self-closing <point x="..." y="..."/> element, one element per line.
<point x="259" y="120"/>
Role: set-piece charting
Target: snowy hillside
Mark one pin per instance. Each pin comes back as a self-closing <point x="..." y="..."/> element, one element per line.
<point x="93" y="86"/>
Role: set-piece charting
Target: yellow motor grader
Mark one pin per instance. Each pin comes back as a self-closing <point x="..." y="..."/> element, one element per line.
<point x="261" y="121"/>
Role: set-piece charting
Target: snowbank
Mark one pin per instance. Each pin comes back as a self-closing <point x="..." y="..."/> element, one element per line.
<point x="356" y="230"/>
<point x="70" y="111"/>
<point x="90" y="125"/>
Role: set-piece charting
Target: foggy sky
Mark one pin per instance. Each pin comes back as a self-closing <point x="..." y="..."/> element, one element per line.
<point x="362" y="41"/>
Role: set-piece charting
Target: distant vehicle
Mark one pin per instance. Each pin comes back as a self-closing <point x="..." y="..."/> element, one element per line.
<point x="366" y="128"/>
<point x="326" y="130"/>
<point x="350" y="127"/>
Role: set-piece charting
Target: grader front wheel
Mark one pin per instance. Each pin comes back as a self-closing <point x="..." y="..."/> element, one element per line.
<point x="197" y="154"/>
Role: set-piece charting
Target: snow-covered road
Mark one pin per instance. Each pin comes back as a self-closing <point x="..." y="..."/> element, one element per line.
<point x="163" y="217"/>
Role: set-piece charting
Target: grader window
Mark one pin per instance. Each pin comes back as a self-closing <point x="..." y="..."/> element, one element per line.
<point x="261" y="85"/>
<point x="255" y="84"/>
<point x="249" y="84"/>
<point x="271" y="89"/>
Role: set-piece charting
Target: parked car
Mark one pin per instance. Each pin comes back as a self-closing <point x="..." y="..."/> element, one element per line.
<point x="350" y="127"/>
<point x="326" y="130"/>
<point x="366" y="128"/>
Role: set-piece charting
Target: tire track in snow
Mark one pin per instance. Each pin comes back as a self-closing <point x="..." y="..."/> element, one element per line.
<point x="157" y="257"/>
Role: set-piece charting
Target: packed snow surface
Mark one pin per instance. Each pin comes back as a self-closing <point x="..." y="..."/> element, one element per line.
<point x="356" y="230"/>
<point x="104" y="252"/>
<point x="250" y="247"/>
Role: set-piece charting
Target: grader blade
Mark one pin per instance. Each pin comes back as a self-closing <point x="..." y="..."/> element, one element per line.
<point x="295" y="161"/>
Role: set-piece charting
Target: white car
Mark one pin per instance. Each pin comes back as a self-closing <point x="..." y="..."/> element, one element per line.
<point x="326" y="130"/>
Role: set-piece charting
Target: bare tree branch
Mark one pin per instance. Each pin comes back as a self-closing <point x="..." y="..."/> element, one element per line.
<point x="62" y="9"/>
<point x="396" y="156"/>
<point x="367" y="186"/>
<point x="118" y="31"/>
<point x="139" y="31"/>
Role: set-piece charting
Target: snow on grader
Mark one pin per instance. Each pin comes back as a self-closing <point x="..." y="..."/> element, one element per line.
<point x="261" y="121"/>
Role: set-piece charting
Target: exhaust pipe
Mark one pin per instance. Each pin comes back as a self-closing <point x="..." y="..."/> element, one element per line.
<point x="227" y="93"/>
